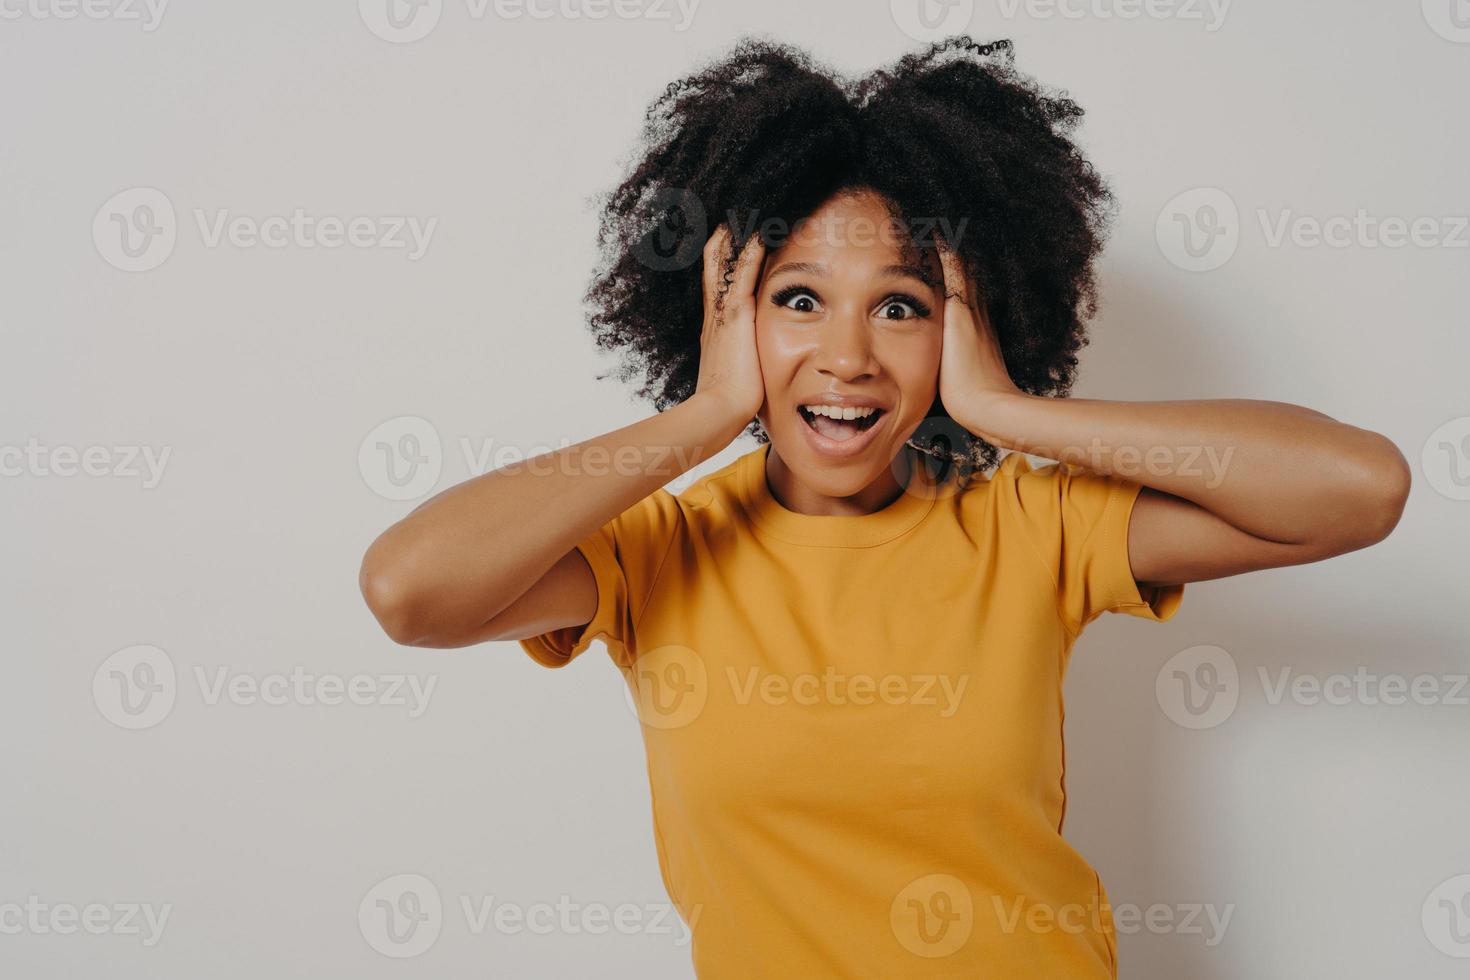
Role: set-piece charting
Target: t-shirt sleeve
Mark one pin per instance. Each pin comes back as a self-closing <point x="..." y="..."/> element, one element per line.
<point x="1077" y="521"/>
<point x="625" y="555"/>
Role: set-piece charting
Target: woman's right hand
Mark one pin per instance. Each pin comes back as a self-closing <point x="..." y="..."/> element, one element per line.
<point x="729" y="367"/>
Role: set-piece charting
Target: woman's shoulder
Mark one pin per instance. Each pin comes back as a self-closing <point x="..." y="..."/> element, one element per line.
<point x="1015" y="474"/>
<point x="1038" y="491"/>
<point x="709" y="497"/>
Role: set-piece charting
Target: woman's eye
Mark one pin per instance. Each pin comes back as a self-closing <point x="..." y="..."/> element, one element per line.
<point x="806" y="302"/>
<point x="914" y="307"/>
<point x="802" y="300"/>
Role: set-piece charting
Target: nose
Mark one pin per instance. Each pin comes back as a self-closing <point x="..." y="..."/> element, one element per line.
<point x="845" y="347"/>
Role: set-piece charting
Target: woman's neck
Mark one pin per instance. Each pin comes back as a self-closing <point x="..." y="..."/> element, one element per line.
<point x="788" y="490"/>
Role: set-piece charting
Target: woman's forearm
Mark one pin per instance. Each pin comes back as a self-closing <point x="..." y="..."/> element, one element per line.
<point x="1277" y="471"/>
<point x="470" y="551"/>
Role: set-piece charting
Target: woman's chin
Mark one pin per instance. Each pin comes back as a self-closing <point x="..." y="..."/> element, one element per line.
<point x="840" y="473"/>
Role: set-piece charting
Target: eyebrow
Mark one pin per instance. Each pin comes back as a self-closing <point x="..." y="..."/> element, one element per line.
<point x="818" y="269"/>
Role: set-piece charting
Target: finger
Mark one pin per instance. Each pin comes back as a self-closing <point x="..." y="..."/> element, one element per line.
<point x="982" y="308"/>
<point x="969" y="293"/>
<point x="956" y="284"/>
<point x="748" y="269"/>
<point x="715" y="251"/>
<point x="972" y="298"/>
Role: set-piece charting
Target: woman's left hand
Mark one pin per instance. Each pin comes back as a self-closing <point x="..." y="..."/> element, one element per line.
<point x="972" y="370"/>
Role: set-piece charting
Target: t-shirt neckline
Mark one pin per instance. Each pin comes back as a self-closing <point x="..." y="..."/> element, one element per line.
<point x="834" y="530"/>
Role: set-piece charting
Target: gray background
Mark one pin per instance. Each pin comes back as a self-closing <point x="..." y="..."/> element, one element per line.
<point x="1332" y="831"/>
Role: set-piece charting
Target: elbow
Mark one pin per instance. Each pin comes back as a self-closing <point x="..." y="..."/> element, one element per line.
<point x="1385" y="479"/>
<point x="390" y="601"/>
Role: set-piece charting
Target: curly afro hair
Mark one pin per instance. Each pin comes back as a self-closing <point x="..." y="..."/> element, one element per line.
<point x="953" y="134"/>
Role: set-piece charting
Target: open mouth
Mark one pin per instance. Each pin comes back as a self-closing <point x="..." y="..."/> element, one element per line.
<point x="840" y="429"/>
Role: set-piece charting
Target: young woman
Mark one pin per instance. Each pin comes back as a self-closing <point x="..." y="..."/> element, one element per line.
<point x="847" y="647"/>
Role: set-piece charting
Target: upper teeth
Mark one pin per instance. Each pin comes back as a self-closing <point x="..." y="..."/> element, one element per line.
<point x="836" y="412"/>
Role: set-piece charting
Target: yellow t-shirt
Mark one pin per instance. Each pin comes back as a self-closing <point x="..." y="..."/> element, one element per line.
<point x="853" y="724"/>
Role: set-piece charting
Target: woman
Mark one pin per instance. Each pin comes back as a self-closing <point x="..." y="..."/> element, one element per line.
<point x="847" y="647"/>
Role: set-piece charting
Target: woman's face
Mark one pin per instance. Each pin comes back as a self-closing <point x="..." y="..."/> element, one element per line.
<point x="841" y="312"/>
